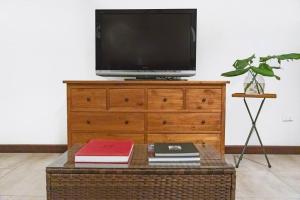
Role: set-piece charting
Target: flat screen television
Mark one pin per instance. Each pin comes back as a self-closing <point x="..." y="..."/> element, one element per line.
<point x="146" y="42"/>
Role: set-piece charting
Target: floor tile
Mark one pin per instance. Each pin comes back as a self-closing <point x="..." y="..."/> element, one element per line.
<point x="257" y="162"/>
<point x="28" y="179"/>
<point x="255" y="180"/>
<point x="3" y="172"/>
<point x="262" y="184"/>
<point x="250" y="162"/>
<point x="266" y="198"/>
<point x="290" y="178"/>
<point x="12" y="160"/>
<point x="22" y="198"/>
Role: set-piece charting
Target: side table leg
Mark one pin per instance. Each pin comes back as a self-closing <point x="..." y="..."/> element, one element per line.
<point x="255" y="128"/>
<point x="245" y="146"/>
<point x="262" y="146"/>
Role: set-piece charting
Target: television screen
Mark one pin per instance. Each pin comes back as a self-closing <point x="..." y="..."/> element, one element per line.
<point x="146" y="39"/>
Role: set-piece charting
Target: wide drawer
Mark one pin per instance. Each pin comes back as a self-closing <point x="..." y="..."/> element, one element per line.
<point x="83" y="137"/>
<point x="209" y="100"/>
<point x="87" y="99"/>
<point x="165" y="99"/>
<point x="88" y="121"/>
<point x="184" y="122"/>
<point x="126" y="99"/>
<point x="211" y="139"/>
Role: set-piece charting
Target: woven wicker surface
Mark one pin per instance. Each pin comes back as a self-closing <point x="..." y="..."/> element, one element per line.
<point x="212" y="179"/>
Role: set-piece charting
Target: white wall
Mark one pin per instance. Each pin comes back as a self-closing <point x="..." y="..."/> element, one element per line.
<point x="43" y="42"/>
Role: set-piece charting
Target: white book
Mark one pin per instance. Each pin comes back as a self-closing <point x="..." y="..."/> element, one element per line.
<point x="173" y="159"/>
<point x="101" y="165"/>
<point x="174" y="163"/>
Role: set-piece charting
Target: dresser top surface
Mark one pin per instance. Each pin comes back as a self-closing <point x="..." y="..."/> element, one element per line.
<point x="144" y="82"/>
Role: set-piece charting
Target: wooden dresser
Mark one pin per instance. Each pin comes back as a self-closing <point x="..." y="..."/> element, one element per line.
<point x="147" y="111"/>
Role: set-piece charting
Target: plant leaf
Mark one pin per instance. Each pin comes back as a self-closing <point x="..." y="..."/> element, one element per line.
<point x="263" y="69"/>
<point x="236" y="72"/>
<point x="291" y="56"/>
<point x="266" y="58"/>
<point x="276" y="67"/>
<point x="241" y="64"/>
<point x="277" y="77"/>
<point x="279" y="61"/>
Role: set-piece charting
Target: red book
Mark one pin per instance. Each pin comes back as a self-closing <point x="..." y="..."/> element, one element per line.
<point x="105" y="151"/>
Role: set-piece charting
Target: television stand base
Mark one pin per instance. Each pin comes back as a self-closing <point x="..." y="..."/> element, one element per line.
<point x="156" y="78"/>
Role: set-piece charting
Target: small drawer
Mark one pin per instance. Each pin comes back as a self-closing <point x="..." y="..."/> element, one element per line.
<point x="211" y="139"/>
<point x="87" y="99"/>
<point x="184" y="122"/>
<point x="127" y="99"/>
<point x="83" y="121"/>
<point x="208" y="100"/>
<point x="165" y="99"/>
<point x="83" y="137"/>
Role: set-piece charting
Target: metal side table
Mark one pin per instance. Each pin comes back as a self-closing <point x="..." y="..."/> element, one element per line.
<point x="254" y="120"/>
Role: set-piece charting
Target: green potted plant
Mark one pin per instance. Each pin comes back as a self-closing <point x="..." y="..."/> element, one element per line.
<point x="254" y="82"/>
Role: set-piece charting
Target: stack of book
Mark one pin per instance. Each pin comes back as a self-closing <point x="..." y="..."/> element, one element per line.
<point x="105" y="153"/>
<point x="173" y="154"/>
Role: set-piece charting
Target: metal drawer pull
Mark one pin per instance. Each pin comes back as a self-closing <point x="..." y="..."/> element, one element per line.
<point x="164" y="122"/>
<point x="165" y="99"/>
<point x="203" y="122"/>
<point x="203" y="100"/>
<point x="88" y="99"/>
<point x="126" y="99"/>
<point x="126" y="122"/>
<point x="88" y="121"/>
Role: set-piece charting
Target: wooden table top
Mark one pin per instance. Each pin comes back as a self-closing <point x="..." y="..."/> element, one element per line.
<point x="210" y="160"/>
<point x="148" y="82"/>
<point x="265" y="95"/>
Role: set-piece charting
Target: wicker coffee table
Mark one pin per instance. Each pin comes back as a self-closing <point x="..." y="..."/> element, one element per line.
<point x="212" y="179"/>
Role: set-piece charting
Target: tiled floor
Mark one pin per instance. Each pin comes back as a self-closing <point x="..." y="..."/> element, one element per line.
<point x="22" y="177"/>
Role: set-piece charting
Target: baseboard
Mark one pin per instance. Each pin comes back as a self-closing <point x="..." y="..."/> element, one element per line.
<point x="237" y="149"/>
<point x="60" y="148"/>
<point x="33" y="148"/>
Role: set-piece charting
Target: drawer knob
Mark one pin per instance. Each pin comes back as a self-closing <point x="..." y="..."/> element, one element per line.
<point x="88" y="99"/>
<point x="164" y="122"/>
<point x="203" y="122"/>
<point x="126" y="99"/>
<point x="165" y="99"/>
<point x="203" y="100"/>
<point x="126" y="122"/>
<point x="199" y="107"/>
<point x="88" y="121"/>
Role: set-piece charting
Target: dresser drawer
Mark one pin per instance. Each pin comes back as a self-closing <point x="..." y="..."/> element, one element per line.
<point x="165" y="99"/>
<point x="88" y="121"/>
<point x="211" y="139"/>
<point x="204" y="99"/>
<point x="127" y="99"/>
<point x="184" y="122"/>
<point x="87" y="99"/>
<point x="83" y="137"/>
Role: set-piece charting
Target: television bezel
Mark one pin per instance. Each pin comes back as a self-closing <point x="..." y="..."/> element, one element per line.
<point x="141" y="70"/>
